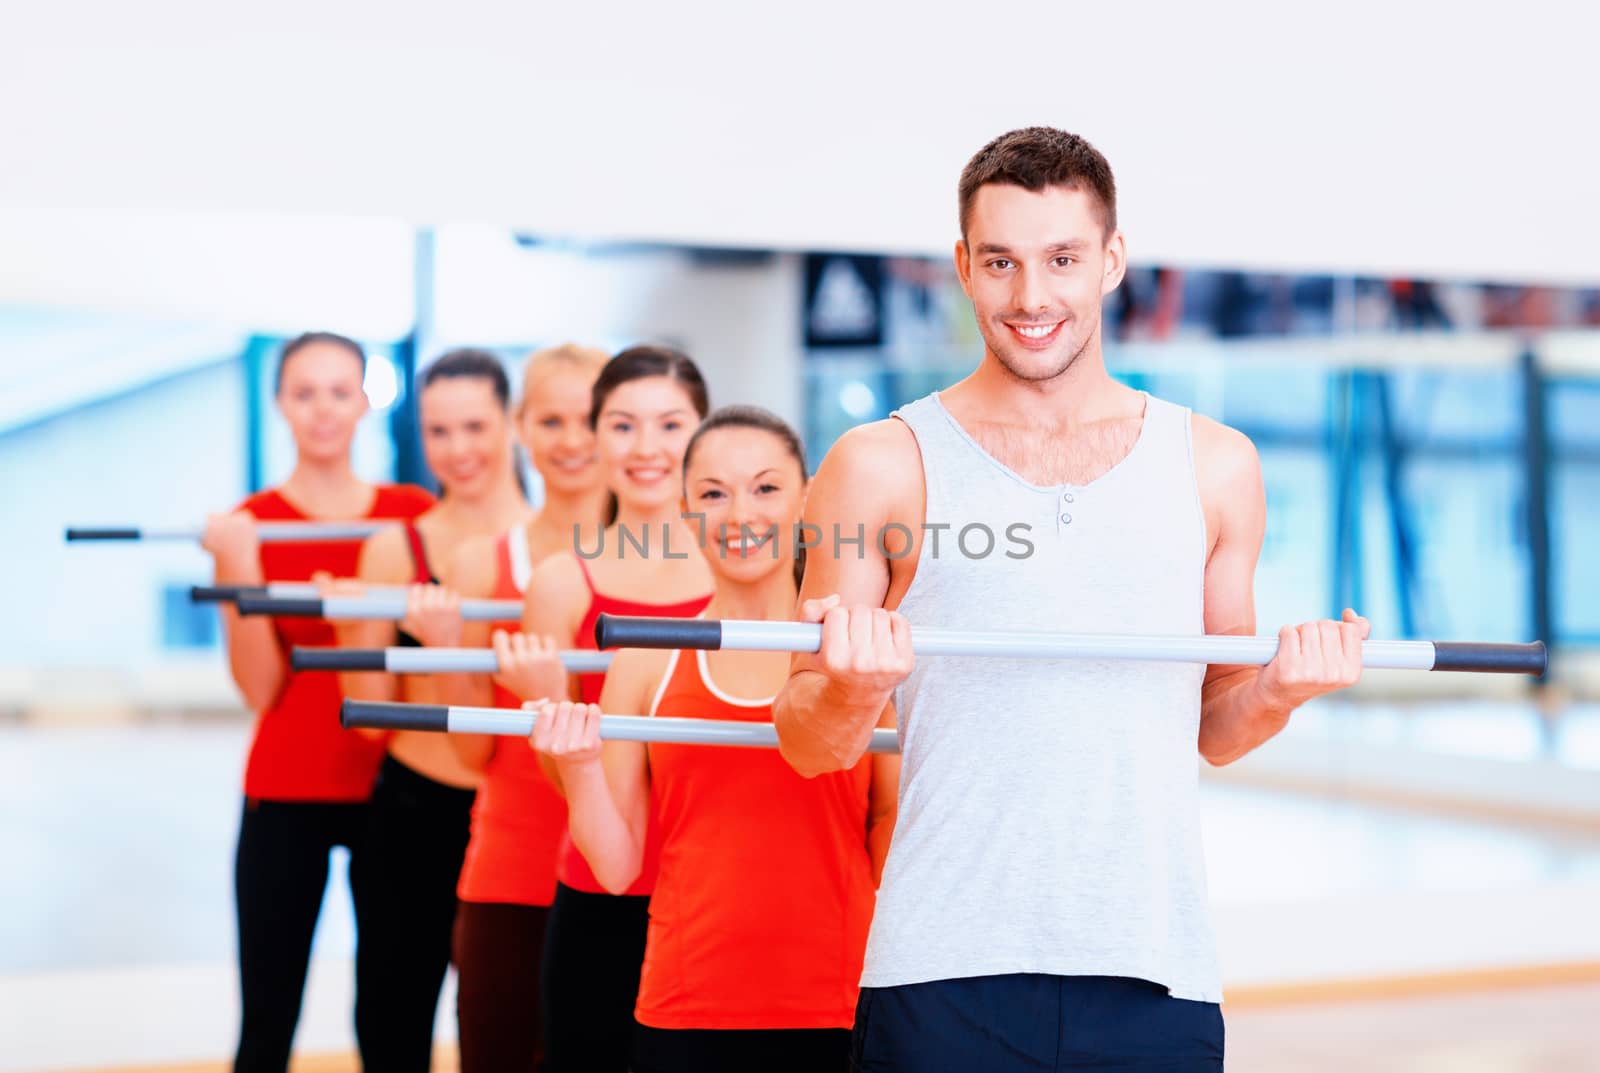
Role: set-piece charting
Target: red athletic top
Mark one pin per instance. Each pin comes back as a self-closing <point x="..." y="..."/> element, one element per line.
<point x="571" y="868"/>
<point x="760" y="913"/>
<point x="518" y="819"/>
<point x="300" y="753"/>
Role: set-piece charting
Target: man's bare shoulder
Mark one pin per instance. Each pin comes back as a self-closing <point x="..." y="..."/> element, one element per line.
<point x="876" y="455"/>
<point x="1223" y="455"/>
<point x="1228" y="474"/>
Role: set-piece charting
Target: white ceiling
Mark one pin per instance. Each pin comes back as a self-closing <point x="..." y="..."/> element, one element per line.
<point x="1355" y="137"/>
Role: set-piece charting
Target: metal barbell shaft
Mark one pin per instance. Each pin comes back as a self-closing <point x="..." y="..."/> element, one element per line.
<point x="765" y="636"/>
<point x="266" y="532"/>
<point x="304" y="590"/>
<point x="428" y="660"/>
<point x="390" y="607"/>
<point x="455" y="719"/>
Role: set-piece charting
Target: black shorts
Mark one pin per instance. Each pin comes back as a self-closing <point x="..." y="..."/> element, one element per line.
<point x="740" y="1050"/>
<point x="1028" y="1023"/>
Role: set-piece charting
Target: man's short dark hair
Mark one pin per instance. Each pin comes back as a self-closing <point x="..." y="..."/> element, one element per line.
<point x="1038" y="157"/>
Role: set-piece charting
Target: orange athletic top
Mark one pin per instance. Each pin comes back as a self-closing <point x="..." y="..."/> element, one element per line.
<point x="760" y="913"/>
<point x="300" y="753"/>
<point x="518" y="818"/>
<point x="571" y="868"/>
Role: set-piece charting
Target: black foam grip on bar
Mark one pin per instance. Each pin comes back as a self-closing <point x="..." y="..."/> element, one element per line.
<point x="620" y="631"/>
<point x="223" y="594"/>
<point x="80" y="533"/>
<point x="1491" y="658"/>
<point x="388" y="715"/>
<point x="337" y="659"/>
<point x="281" y="606"/>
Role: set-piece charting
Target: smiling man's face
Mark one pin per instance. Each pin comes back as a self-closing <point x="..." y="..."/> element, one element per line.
<point x="1036" y="265"/>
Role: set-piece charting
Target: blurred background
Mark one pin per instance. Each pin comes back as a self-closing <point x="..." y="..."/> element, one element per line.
<point x="1369" y="242"/>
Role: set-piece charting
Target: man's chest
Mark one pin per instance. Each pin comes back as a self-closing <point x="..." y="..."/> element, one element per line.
<point x="1053" y="457"/>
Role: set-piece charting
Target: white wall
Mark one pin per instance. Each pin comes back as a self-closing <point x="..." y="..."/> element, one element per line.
<point x="740" y="321"/>
<point x="1370" y="136"/>
<point x="266" y="273"/>
<point x="54" y="359"/>
<point x="165" y="455"/>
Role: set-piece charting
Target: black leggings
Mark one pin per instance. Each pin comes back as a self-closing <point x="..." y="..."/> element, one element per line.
<point x="409" y="867"/>
<point x="593" y="952"/>
<point x="771" y="1050"/>
<point x="280" y="872"/>
<point x="498" y="950"/>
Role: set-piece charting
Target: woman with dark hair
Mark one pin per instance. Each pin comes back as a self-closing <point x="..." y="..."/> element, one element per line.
<point x="758" y="922"/>
<point x="647" y="402"/>
<point x="508" y="878"/>
<point x="421" y="804"/>
<point x="307" y="781"/>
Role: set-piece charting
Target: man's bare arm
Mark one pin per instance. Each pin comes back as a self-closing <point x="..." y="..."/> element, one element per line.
<point x="1232" y="722"/>
<point x="1243" y="707"/>
<point x="826" y="712"/>
<point x="883" y="802"/>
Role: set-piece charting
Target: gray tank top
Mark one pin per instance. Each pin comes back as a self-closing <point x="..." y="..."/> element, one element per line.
<point x="1049" y="812"/>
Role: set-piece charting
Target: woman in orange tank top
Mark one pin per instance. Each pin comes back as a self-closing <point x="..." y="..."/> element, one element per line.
<point x="646" y="404"/>
<point x="758" y="923"/>
<point x="518" y="820"/>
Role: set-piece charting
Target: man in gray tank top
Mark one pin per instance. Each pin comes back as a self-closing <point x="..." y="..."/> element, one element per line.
<point x="1043" y="905"/>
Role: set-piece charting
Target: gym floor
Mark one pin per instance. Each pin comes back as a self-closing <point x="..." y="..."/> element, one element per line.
<point x="1354" y="934"/>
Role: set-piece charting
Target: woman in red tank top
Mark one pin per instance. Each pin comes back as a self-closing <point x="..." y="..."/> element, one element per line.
<point x="420" y="815"/>
<point x="306" y="782"/>
<point x="758" y="923"/>
<point x="646" y="404"/>
<point x="518" y="819"/>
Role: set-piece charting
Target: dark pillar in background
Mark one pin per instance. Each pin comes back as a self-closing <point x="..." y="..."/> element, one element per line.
<point x="408" y="467"/>
<point x="256" y="359"/>
<point x="1536" y="498"/>
<point x="1400" y="529"/>
<point x="403" y="427"/>
<point x="1344" y="484"/>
